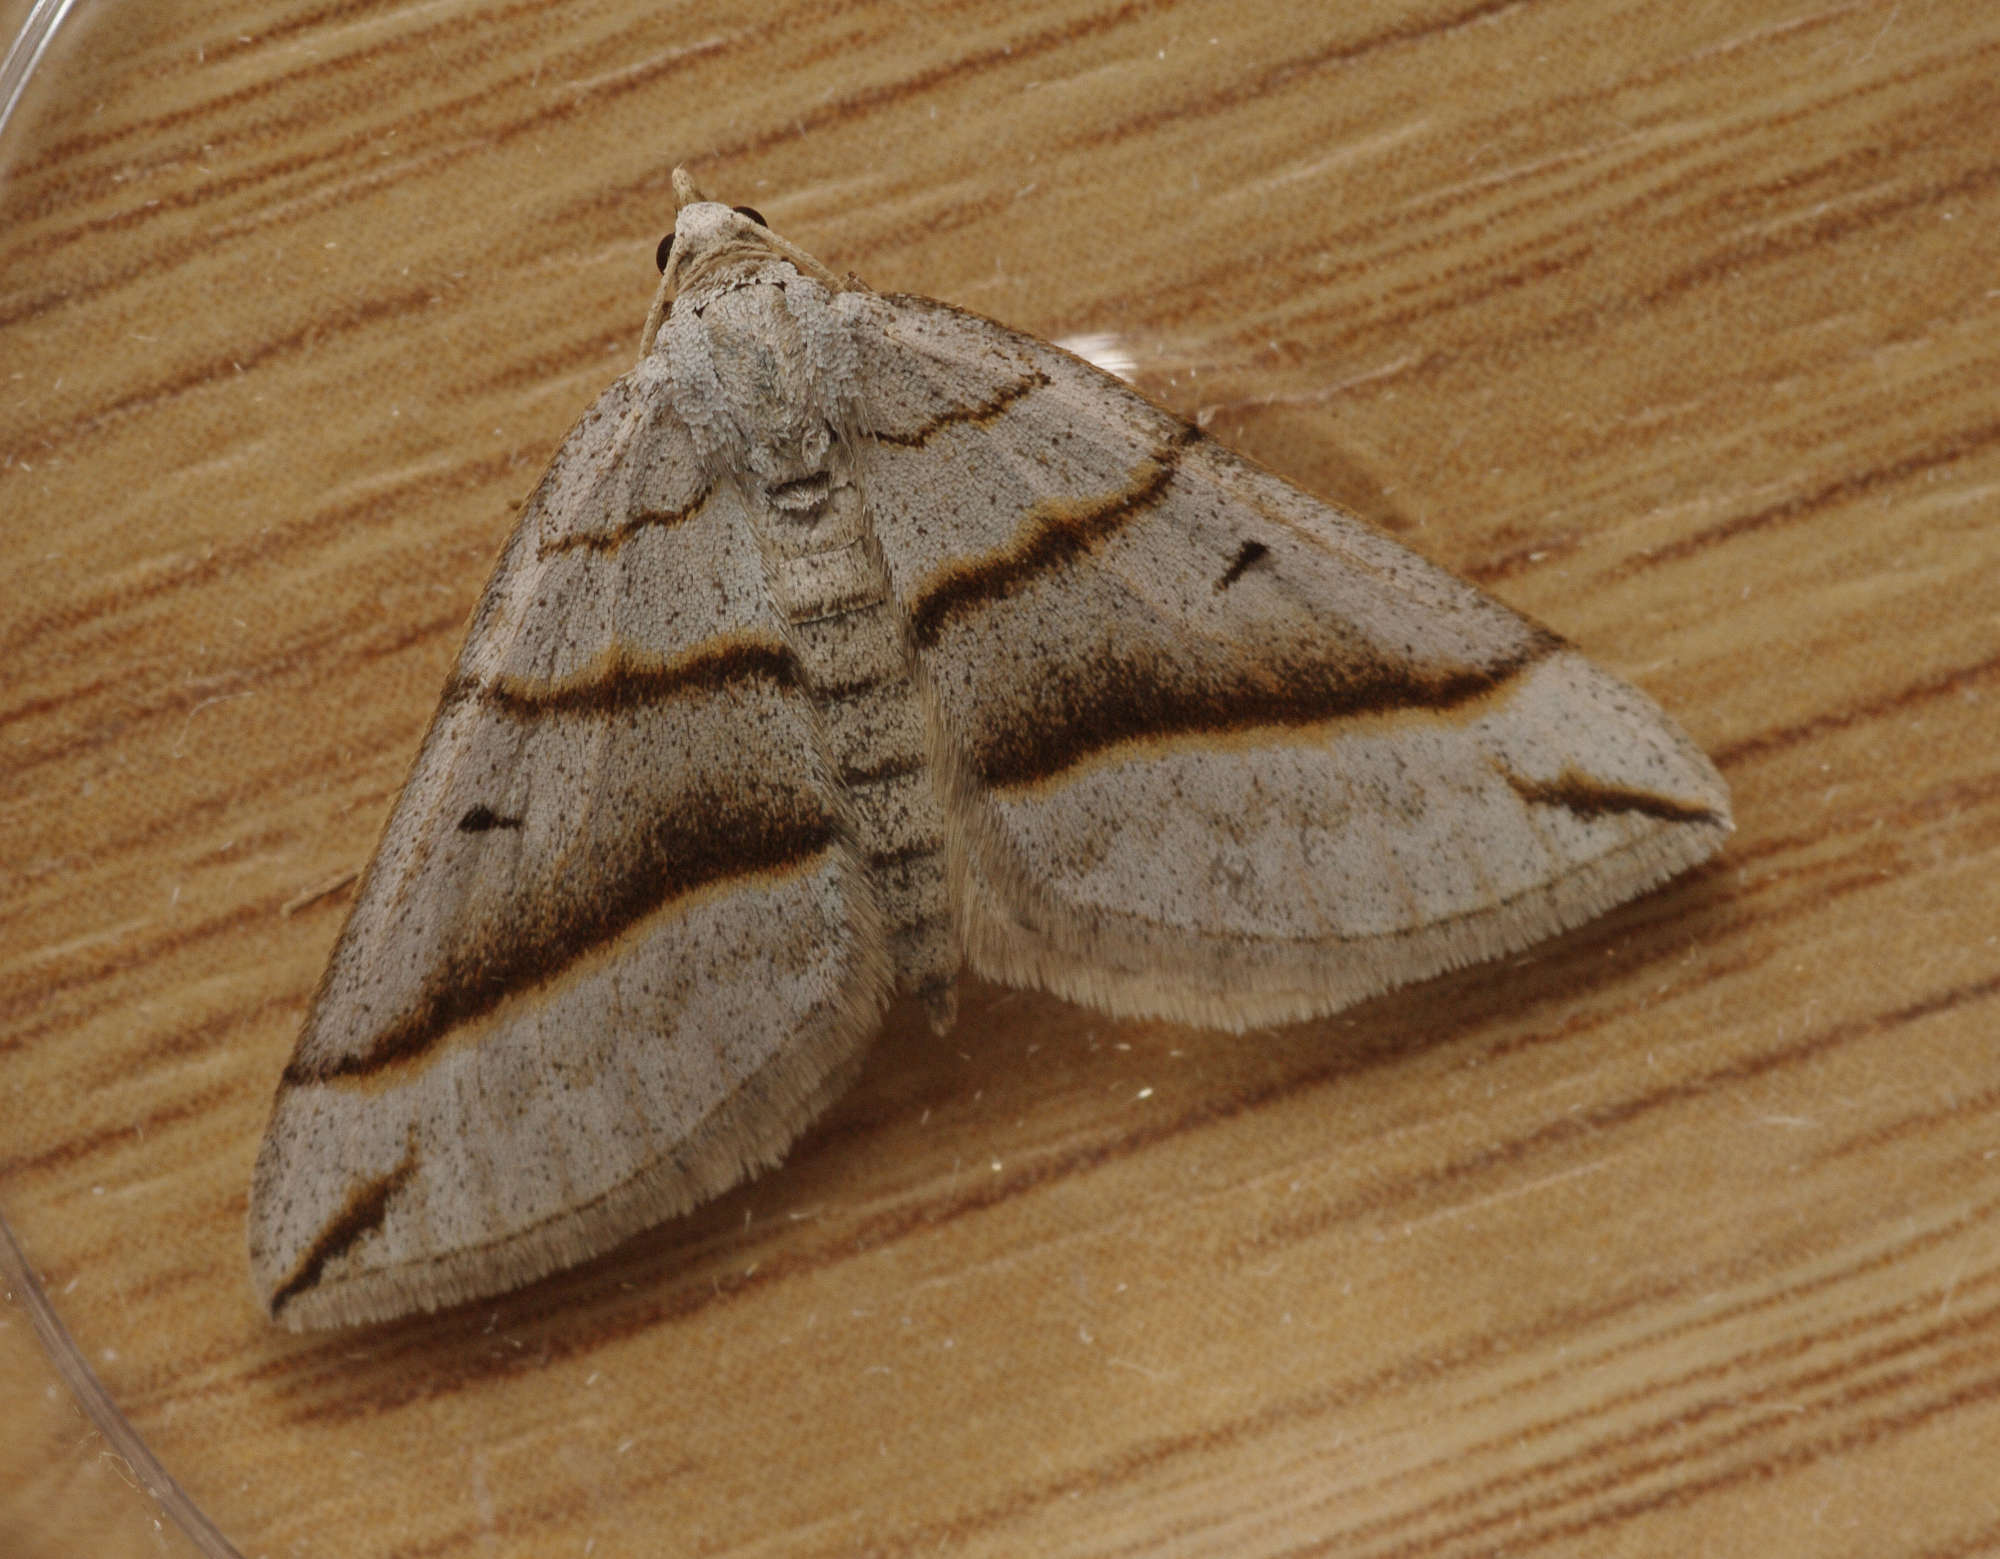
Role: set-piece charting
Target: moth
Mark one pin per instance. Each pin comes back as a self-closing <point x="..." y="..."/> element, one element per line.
<point x="852" y="638"/>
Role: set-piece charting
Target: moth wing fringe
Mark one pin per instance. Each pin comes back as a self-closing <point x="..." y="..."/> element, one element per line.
<point x="747" y="1134"/>
<point x="1136" y="972"/>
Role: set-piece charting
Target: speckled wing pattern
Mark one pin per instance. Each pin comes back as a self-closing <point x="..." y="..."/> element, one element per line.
<point x="852" y="638"/>
<point x="1215" y="751"/>
<point x="614" y="949"/>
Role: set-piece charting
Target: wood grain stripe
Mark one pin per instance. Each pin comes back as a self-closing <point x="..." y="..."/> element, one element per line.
<point x="1909" y="465"/>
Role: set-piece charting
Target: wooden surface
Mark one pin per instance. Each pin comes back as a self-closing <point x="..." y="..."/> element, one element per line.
<point x="1676" y="326"/>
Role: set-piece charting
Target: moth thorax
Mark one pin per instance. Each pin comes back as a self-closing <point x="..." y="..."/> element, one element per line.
<point x="762" y="368"/>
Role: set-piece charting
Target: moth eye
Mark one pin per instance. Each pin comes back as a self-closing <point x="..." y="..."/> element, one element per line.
<point x="752" y="213"/>
<point x="666" y="248"/>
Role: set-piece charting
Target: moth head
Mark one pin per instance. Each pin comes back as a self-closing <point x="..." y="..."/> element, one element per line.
<point x="710" y="238"/>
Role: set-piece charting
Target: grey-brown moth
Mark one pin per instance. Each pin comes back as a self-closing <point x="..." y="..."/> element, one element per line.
<point x="853" y="638"/>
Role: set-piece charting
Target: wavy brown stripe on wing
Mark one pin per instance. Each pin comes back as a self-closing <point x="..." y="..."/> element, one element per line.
<point x="367" y="1205"/>
<point x="994" y="406"/>
<point x="1140" y="701"/>
<point x="611" y="540"/>
<point x="1053" y="534"/>
<point x="613" y="682"/>
<point x="738" y="836"/>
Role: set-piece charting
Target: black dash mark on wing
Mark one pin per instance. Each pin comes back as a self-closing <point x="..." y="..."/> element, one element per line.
<point x="366" y="1207"/>
<point x="479" y="819"/>
<point x="1584" y="797"/>
<point x="1246" y="555"/>
<point x="1055" y="535"/>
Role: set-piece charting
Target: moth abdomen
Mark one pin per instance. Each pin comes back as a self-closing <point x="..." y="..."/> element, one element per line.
<point x="831" y="588"/>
